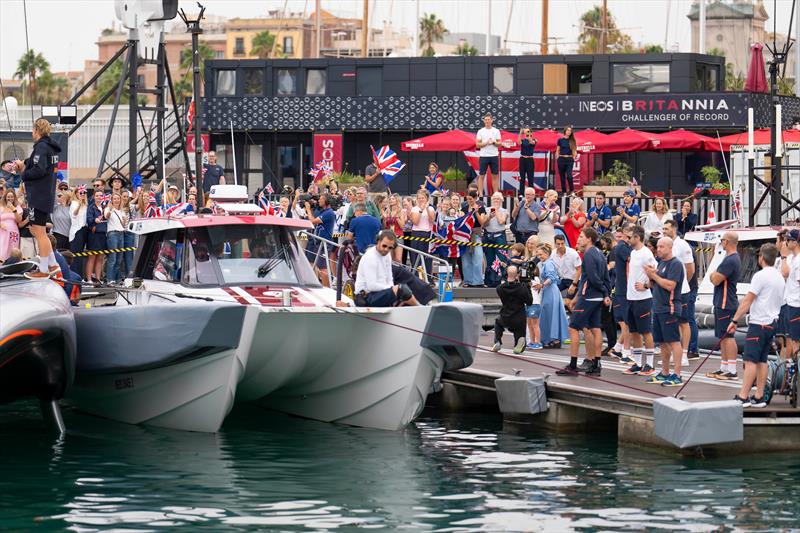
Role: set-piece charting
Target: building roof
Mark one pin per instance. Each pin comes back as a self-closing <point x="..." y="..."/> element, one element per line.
<point x="720" y="9"/>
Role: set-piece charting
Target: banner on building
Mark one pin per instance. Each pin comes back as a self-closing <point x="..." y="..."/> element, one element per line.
<point x="509" y="169"/>
<point x="658" y="110"/>
<point x="328" y="147"/>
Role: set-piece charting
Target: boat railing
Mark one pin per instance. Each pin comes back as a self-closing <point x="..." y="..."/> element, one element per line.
<point x="418" y="259"/>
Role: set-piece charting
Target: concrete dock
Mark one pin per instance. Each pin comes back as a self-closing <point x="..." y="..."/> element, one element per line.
<point x="587" y="403"/>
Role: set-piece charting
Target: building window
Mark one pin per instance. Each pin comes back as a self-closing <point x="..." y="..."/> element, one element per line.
<point x="140" y="80"/>
<point x="287" y="82"/>
<point x="502" y="80"/>
<point x="253" y="81"/>
<point x="706" y="77"/>
<point x="225" y="83"/>
<point x="219" y="54"/>
<point x="637" y="78"/>
<point x="369" y="81"/>
<point x="315" y="81"/>
<point x="238" y="47"/>
<point x="288" y="45"/>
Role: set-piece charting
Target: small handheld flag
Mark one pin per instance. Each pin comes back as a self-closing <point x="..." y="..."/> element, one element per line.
<point x="269" y="188"/>
<point x="321" y="171"/>
<point x="388" y="163"/>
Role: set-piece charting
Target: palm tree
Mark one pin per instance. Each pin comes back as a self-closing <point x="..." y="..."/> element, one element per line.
<point x="464" y="49"/>
<point x="264" y="45"/>
<point x="432" y="29"/>
<point x="183" y="87"/>
<point x="28" y="66"/>
<point x="52" y="89"/>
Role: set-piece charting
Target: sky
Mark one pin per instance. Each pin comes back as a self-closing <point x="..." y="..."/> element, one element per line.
<point x="65" y="31"/>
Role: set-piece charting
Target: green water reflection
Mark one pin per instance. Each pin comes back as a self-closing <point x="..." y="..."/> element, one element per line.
<point x="271" y="472"/>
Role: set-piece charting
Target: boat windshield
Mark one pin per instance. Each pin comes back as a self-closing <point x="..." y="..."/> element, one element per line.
<point x="246" y="255"/>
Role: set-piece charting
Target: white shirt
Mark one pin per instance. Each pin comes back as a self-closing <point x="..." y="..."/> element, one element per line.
<point x="683" y="252"/>
<point x="639" y="258"/>
<point x="652" y="223"/>
<point x="425" y="223"/>
<point x="536" y="294"/>
<point x="76" y="221"/>
<point x="117" y="219"/>
<point x="374" y="271"/>
<point x="791" y="295"/>
<point x="567" y="265"/>
<point x="489" y="134"/>
<point x="767" y="285"/>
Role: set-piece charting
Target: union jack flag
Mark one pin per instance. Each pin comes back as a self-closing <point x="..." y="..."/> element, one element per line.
<point x="269" y="188"/>
<point x="446" y="193"/>
<point x="321" y="171"/>
<point x="459" y="230"/>
<point x="496" y="265"/>
<point x="152" y="210"/>
<point x="266" y="205"/>
<point x="387" y="162"/>
<point x="178" y="209"/>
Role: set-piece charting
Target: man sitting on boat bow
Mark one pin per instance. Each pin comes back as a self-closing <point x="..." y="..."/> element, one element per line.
<point x="374" y="282"/>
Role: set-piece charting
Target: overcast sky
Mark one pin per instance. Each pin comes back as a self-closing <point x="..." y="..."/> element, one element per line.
<point x="65" y="31"/>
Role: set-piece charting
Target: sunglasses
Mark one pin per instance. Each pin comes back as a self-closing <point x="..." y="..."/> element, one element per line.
<point x="387" y="247"/>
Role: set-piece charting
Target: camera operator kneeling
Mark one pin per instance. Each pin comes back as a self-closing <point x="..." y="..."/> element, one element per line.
<point x="514" y="296"/>
<point x="374" y="282"/>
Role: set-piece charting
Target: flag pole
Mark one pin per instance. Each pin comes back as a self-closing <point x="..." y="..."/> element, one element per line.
<point x="233" y="151"/>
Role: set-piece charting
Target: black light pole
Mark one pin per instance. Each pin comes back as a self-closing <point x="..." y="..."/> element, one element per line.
<point x="775" y="196"/>
<point x="133" y="66"/>
<point x="194" y="27"/>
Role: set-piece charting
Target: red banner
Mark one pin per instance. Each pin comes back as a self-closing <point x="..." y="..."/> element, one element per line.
<point x="190" y="142"/>
<point x="328" y="146"/>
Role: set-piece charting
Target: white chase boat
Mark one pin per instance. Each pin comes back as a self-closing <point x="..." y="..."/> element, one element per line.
<point x="301" y="354"/>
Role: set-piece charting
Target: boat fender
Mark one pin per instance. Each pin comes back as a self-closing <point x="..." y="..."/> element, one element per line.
<point x="687" y="425"/>
<point x="521" y="395"/>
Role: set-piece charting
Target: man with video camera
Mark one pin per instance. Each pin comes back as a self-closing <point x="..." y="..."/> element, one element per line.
<point x="514" y="296"/>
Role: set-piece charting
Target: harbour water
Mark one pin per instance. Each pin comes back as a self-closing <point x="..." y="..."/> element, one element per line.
<point x="266" y="471"/>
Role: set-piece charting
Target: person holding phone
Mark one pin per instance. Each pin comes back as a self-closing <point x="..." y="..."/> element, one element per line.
<point x="527" y="144"/>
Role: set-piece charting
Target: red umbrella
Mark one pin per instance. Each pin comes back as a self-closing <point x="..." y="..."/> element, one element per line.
<point x="590" y="140"/>
<point x="447" y="141"/>
<point x="629" y="140"/>
<point x="756" y="75"/>
<point x="546" y="139"/>
<point x="681" y="139"/>
<point x="760" y="137"/>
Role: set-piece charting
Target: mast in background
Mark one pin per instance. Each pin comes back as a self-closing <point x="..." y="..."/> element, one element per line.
<point x="365" y="30"/>
<point x="545" y="31"/>
<point x="702" y="48"/>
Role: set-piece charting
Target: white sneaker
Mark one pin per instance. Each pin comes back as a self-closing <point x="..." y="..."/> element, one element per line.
<point x="496" y="347"/>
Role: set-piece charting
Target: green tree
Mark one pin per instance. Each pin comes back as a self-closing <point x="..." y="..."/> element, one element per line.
<point x="653" y="49"/>
<point x="183" y="87"/>
<point x="52" y="89"/>
<point x="464" y="49"/>
<point x="29" y="66"/>
<point x="110" y="80"/>
<point x="264" y="45"/>
<point x="432" y="30"/>
<point x="590" y="40"/>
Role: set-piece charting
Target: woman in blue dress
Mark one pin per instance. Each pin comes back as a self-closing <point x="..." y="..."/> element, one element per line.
<point x="553" y="322"/>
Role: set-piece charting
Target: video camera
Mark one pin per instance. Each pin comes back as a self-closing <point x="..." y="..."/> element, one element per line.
<point x="527" y="270"/>
<point x="334" y="200"/>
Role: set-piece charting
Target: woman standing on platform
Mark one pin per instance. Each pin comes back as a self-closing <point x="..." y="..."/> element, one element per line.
<point x="549" y="217"/>
<point x="97" y="225"/>
<point x="423" y="216"/>
<point x="553" y="319"/>
<point x="527" y="145"/>
<point x="567" y="152"/>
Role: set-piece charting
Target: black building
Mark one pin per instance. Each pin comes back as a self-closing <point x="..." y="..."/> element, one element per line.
<point x="275" y="107"/>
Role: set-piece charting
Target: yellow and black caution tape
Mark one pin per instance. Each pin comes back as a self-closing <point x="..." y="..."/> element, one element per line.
<point x="705" y="249"/>
<point x="460" y="243"/>
<point x="104" y="252"/>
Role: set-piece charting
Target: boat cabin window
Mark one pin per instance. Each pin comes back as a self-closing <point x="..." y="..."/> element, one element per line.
<point x="246" y="255"/>
<point x="164" y="256"/>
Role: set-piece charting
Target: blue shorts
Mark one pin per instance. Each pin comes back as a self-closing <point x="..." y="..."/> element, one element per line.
<point x="384" y="298"/>
<point x="793" y="322"/>
<point x="758" y="342"/>
<point x="782" y="327"/>
<point x="684" y="315"/>
<point x="640" y="316"/>
<point x="492" y="163"/>
<point x="533" y="311"/>
<point x="619" y="304"/>
<point x="722" y="319"/>
<point x="666" y="328"/>
<point x="586" y="314"/>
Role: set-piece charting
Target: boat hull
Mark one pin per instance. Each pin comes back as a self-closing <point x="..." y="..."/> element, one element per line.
<point x="168" y="365"/>
<point x="37" y="341"/>
<point x="368" y="368"/>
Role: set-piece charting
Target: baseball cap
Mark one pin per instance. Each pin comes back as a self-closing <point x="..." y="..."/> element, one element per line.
<point x="793" y="235"/>
<point x="630" y="192"/>
<point x="173" y="187"/>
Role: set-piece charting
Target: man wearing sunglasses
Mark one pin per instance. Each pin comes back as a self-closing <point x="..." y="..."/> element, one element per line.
<point x="374" y="281"/>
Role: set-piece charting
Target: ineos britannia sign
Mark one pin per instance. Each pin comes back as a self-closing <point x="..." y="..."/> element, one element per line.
<point x="659" y="111"/>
